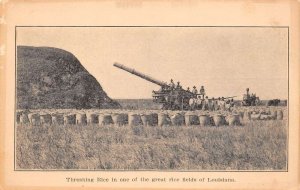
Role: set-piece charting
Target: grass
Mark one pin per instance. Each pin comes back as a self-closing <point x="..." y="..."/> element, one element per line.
<point x="258" y="145"/>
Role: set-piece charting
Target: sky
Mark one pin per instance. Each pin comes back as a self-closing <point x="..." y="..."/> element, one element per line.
<point x="225" y="60"/>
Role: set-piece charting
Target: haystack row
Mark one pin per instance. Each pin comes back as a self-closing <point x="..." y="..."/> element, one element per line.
<point x="145" y="119"/>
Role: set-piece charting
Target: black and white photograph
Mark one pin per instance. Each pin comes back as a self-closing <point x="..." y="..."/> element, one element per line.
<point x="151" y="98"/>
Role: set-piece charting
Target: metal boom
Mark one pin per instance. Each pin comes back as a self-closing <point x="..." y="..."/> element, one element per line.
<point x="143" y="76"/>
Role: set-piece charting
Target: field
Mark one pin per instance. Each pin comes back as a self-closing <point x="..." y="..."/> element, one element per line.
<point x="137" y="104"/>
<point x="257" y="145"/>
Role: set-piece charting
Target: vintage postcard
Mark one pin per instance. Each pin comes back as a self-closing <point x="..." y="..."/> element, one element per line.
<point x="150" y="94"/>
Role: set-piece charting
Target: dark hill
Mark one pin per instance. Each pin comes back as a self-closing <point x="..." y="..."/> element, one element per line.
<point x="53" y="78"/>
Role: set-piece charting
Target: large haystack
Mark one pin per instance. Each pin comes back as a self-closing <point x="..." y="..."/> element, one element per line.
<point x="53" y="78"/>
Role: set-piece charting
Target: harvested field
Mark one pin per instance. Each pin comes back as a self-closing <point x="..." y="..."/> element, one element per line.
<point x="256" y="145"/>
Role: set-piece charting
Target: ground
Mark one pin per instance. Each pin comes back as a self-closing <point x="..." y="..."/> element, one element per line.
<point x="257" y="145"/>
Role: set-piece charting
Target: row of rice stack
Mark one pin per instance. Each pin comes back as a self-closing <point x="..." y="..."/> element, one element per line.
<point x="33" y="118"/>
<point x="62" y="118"/>
<point x="263" y="115"/>
<point x="180" y="119"/>
<point x="146" y="119"/>
<point x="92" y="118"/>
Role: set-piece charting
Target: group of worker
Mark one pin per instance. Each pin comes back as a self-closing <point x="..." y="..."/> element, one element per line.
<point x="173" y="86"/>
<point x="212" y="104"/>
<point x="200" y="101"/>
<point x="194" y="91"/>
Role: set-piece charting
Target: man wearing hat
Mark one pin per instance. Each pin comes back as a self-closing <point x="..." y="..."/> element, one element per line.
<point x="202" y="91"/>
<point x="178" y="85"/>
<point x="194" y="90"/>
<point x="172" y="85"/>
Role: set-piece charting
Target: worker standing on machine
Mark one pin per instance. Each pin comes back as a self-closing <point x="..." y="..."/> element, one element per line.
<point x="172" y="85"/>
<point x="202" y="92"/>
<point x="195" y="91"/>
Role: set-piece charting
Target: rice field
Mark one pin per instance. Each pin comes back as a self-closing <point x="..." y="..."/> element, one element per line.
<point x="253" y="145"/>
